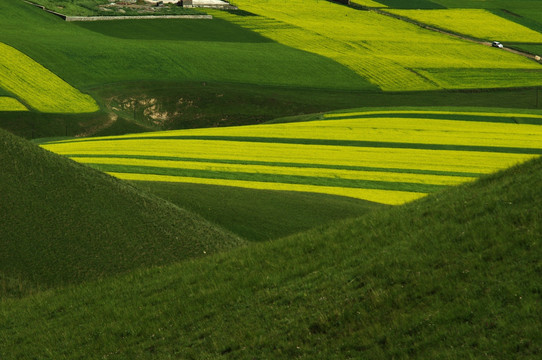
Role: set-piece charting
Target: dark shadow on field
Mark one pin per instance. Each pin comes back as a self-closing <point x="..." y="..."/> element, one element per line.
<point x="217" y="30"/>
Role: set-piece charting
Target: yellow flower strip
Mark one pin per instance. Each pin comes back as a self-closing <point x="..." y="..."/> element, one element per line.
<point x="39" y="87"/>
<point x="399" y="112"/>
<point x="11" y="104"/>
<point x="392" y="129"/>
<point x="382" y="196"/>
<point x="390" y="158"/>
<point x="475" y="22"/>
<point x="281" y="170"/>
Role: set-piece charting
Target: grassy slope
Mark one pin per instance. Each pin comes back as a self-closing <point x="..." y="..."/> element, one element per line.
<point x="454" y="275"/>
<point x="65" y="223"/>
<point x="259" y="215"/>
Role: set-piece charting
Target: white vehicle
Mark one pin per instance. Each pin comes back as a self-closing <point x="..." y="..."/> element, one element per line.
<point x="497" y="44"/>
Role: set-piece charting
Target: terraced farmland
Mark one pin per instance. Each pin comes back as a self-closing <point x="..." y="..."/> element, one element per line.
<point x="39" y="87"/>
<point x="479" y="23"/>
<point x="11" y="104"/>
<point x="390" y="157"/>
<point x="392" y="54"/>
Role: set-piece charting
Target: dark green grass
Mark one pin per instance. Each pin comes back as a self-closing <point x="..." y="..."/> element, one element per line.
<point x="451" y="276"/>
<point x="275" y="178"/>
<point x="259" y="215"/>
<point x="66" y="223"/>
<point x="177" y="30"/>
<point x="191" y="105"/>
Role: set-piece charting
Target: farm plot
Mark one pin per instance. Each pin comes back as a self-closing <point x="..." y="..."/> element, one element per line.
<point x="387" y="157"/>
<point x="478" y="23"/>
<point x="390" y="53"/>
<point x="11" y="104"/>
<point x="39" y="87"/>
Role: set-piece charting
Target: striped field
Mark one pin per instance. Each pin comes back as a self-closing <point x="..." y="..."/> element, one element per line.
<point x="389" y="157"/>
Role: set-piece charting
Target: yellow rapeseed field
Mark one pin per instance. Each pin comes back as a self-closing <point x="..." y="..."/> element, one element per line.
<point x="474" y="22"/>
<point x="325" y="156"/>
<point x="368" y="3"/>
<point x="39" y="87"/>
<point x="392" y="54"/>
<point x="11" y="104"/>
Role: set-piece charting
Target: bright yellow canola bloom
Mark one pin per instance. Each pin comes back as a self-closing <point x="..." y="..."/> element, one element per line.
<point x="326" y="155"/>
<point x="11" y="104"/>
<point x="474" y="22"/>
<point x="391" y="53"/>
<point x="389" y="197"/>
<point x="39" y="87"/>
<point x="251" y="153"/>
<point x="393" y="129"/>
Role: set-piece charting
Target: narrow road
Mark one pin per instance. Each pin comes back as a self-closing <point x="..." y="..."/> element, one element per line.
<point x="456" y="35"/>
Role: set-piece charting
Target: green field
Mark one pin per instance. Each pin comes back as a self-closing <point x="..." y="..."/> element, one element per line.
<point x="385" y="156"/>
<point x="299" y="180"/>
<point x="391" y="53"/>
<point x="452" y="276"/>
<point x="63" y="223"/>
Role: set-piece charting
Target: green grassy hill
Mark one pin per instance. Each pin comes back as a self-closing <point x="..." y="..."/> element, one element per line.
<point x="65" y="223"/>
<point x="453" y="275"/>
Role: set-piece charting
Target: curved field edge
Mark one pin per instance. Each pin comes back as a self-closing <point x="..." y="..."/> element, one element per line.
<point x="452" y="275"/>
<point x="391" y="157"/>
<point x="259" y="215"/>
<point x="38" y="87"/>
<point x="66" y="223"/>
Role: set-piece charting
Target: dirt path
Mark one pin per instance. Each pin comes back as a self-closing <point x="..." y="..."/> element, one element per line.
<point x="456" y="35"/>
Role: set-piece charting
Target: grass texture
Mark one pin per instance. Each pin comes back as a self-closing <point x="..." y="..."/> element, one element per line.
<point x="259" y="215"/>
<point x="392" y="54"/>
<point x="453" y="275"/>
<point x="39" y="87"/>
<point x="66" y="223"/>
<point x="391" y="158"/>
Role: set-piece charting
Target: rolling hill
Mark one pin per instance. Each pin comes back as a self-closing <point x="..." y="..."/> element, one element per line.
<point x="453" y="275"/>
<point x="66" y="223"/>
